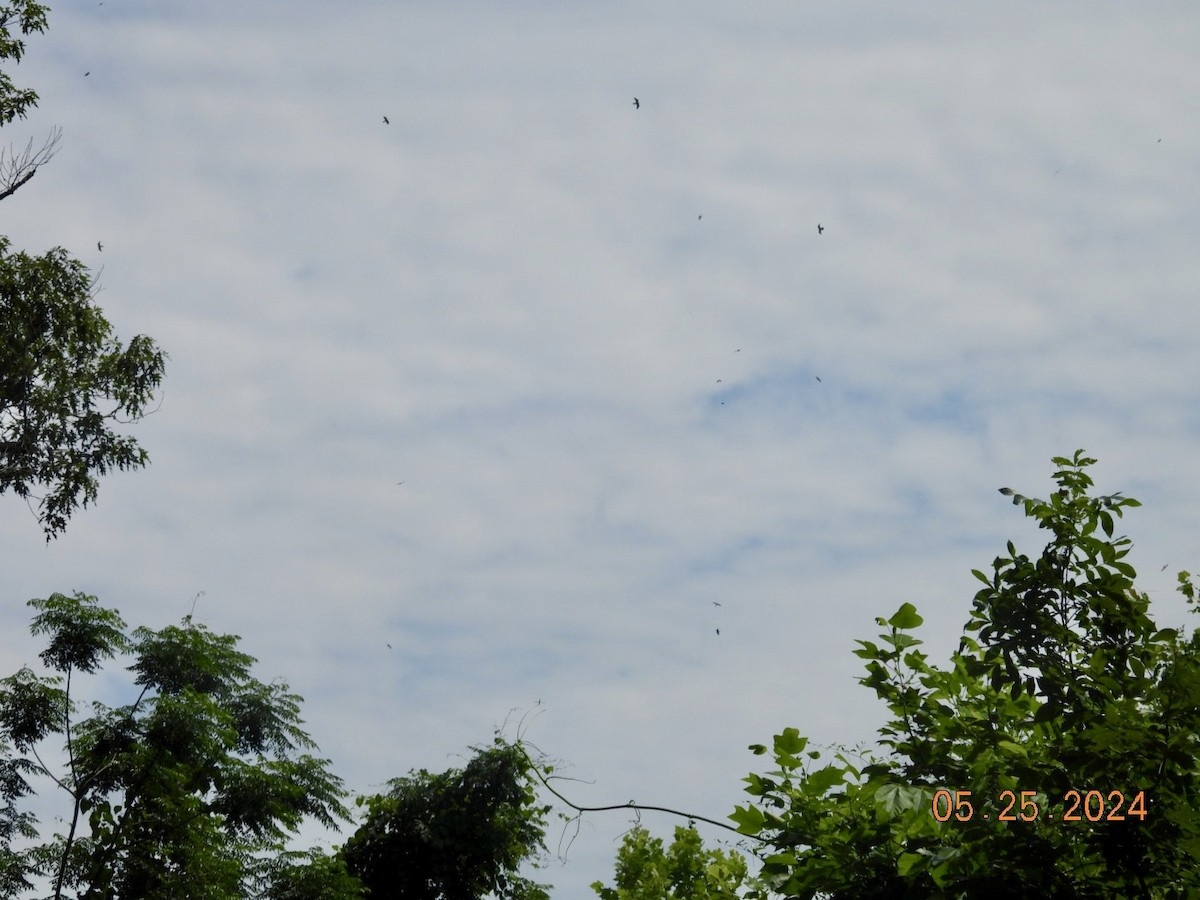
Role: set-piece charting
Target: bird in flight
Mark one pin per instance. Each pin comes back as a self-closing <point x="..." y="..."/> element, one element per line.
<point x="820" y="228"/>
<point x="398" y="483"/>
<point x="715" y="603"/>
<point x="818" y="377"/>
<point x="718" y="632"/>
<point x="99" y="246"/>
<point x="718" y="381"/>
<point x="89" y="72"/>
<point x="636" y="104"/>
<point x="385" y="121"/>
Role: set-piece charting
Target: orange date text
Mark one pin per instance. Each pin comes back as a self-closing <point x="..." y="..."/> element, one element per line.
<point x="1022" y="806"/>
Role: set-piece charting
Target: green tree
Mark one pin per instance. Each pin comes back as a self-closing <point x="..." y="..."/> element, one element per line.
<point x="16" y="169"/>
<point x="1057" y="755"/>
<point x="27" y="16"/>
<point x="458" y="835"/>
<point x="683" y="871"/>
<point x="311" y="875"/>
<point x="15" y="866"/>
<point x="184" y="789"/>
<point x="64" y="378"/>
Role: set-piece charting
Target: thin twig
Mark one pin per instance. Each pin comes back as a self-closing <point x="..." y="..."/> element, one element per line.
<point x="636" y="807"/>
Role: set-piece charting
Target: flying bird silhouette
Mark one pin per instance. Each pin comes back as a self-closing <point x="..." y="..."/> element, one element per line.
<point x="818" y="377"/>
<point x="99" y="246"/>
<point x="715" y="603"/>
<point x="718" y="632"/>
<point x="385" y="121"/>
<point x="89" y="72"/>
<point x="820" y="228"/>
<point x="636" y="105"/>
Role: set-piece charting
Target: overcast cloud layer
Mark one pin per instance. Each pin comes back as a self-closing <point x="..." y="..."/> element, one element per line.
<point x="620" y="375"/>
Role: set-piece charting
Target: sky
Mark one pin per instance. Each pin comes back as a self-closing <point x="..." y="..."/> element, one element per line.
<point x="542" y="388"/>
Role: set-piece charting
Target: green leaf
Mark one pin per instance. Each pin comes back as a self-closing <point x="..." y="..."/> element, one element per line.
<point x="749" y="819"/>
<point x="789" y="742"/>
<point x="869" y="650"/>
<point x="895" y="800"/>
<point x="911" y="863"/>
<point x="823" y="779"/>
<point x="905" y="617"/>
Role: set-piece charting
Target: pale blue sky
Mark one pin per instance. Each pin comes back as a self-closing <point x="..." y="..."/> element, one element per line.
<point x="506" y="299"/>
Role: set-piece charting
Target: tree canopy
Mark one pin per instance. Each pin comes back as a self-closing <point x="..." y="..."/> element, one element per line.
<point x="456" y="835"/>
<point x="646" y="870"/>
<point x="1056" y="755"/>
<point x="27" y="16"/>
<point x="193" y="787"/>
<point x="65" y="380"/>
<point x="179" y="792"/>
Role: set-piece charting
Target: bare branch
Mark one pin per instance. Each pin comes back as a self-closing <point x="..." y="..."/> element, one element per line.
<point x="631" y="805"/>
<point x="16" y="169"/>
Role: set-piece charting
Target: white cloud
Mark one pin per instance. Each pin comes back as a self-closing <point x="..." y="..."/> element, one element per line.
<point x="507" y="300"/>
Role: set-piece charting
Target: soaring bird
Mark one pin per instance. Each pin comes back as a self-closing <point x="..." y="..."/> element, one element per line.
<point x="820" y="228"/>
<point x="636" y="105"/>
<point x="385" y="121"/>
<point x="99" y="246"/>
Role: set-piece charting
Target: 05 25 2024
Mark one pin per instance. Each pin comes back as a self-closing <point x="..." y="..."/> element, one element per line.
<point x="1024" y="806"/>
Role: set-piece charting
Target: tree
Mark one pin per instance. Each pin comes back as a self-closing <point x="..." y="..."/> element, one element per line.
<point x="29" y="16"/>
<point x="185" y="788"/>
<point x="60" y="367"/>
<point x="684" y="871"/>
<point x="14" y="824"/>
<point x="1057" y="755"/>
<point x="458" y="835"/>
<point x="64" y="378"/>
<point x="313" y="875"/>
<point x="15" y="103"/>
